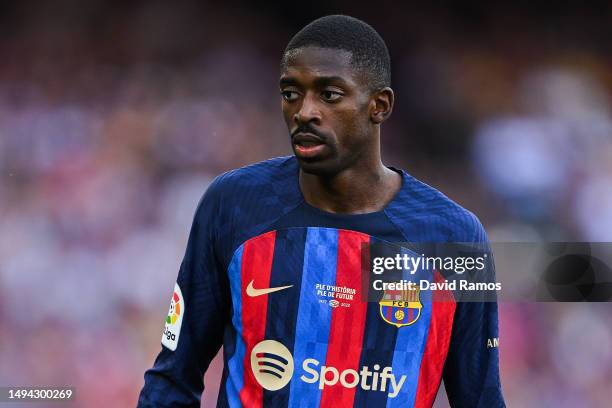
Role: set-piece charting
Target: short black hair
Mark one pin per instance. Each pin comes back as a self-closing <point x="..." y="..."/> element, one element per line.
<point x="369" y="51"/>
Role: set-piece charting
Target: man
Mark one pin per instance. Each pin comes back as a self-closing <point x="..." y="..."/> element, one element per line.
<point x="273" y="265"/>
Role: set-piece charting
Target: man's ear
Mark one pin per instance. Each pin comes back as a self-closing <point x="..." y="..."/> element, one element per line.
<point x="382" y="105"/>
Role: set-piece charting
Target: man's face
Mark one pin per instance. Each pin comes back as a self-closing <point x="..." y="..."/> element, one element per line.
<point x="326" y="107"/>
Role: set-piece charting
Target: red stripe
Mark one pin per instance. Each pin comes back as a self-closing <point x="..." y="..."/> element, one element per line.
<point x="347" y="323"/>
<point x="256" y="266"/>
<point x="436" y="348"/>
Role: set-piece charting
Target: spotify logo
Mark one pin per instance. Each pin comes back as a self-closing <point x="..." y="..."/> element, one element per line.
<point x="272" y="364"/>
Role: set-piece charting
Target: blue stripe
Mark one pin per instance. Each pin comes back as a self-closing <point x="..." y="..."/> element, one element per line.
<point x="235" y="378"/>
<point x="314" y="318"/>
<point x="409" y="348"/>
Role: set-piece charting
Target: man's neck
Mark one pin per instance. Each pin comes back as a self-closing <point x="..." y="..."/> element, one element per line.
<point x="352" y="191"/>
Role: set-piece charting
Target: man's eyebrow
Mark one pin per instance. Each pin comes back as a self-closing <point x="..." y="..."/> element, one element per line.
<point x="288" y="81"/>
<point x="330" y="80"/>
<point x="319" y="81"/>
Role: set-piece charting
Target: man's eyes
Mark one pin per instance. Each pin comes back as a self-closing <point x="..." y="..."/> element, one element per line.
<point x="289" y="96"/>
<point x="331" y="96"/>
<point x="326" y="95"/>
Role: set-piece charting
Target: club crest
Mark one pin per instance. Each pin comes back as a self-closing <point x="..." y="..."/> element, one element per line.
<point x="401" y="307"/>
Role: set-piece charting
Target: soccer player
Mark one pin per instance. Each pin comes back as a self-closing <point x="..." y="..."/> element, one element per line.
<point x="272" y="269"/>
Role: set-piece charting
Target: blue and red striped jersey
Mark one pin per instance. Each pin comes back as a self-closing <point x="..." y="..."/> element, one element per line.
<point x="278" y="284"/>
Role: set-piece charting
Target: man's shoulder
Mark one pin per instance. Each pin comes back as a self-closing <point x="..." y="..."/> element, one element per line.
<point x="419" y="202"/>
<point x="239" y="203"/>
<point x="256" y="175"/>
<point x="259" y="190"/>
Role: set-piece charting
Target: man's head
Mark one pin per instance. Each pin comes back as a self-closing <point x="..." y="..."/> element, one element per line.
<point x="335" y="78"/>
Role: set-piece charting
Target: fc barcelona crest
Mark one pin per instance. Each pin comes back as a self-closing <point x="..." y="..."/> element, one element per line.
<point x="401" y="307"/>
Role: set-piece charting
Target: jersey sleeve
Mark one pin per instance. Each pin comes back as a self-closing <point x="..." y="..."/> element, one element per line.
<point x="471" y="371"/>
<point x="199" y="311"/>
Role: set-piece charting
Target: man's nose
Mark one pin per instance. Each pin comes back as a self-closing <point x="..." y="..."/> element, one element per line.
<point x="308" y="112"/>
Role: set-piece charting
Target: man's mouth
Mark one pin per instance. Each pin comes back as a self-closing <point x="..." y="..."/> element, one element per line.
<point x="307" y="145"/>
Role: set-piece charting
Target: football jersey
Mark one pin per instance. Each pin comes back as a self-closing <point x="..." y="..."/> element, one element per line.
<point x="278" y="283"/>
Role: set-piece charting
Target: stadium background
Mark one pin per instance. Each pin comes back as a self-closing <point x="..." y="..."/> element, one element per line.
<point x="114" y="116"/>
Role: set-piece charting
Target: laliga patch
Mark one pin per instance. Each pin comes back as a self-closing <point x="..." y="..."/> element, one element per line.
<point x="172" y="327"/>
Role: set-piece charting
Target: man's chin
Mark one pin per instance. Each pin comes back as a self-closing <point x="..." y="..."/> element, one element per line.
<point x="317" y="167"/>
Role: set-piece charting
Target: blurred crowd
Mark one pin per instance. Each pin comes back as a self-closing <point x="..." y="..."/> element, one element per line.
<point x="114" y="118"/>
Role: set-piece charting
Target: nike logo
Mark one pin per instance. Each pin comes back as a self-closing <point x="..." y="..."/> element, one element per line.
<point x="252" y="292"/>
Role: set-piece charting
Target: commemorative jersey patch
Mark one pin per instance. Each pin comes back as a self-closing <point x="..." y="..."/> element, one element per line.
<point x="172" y="324"/>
